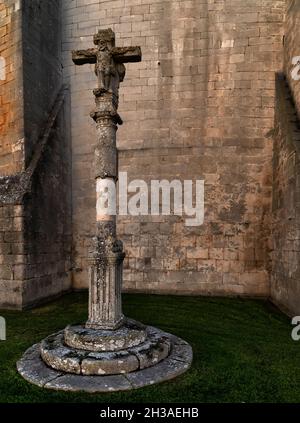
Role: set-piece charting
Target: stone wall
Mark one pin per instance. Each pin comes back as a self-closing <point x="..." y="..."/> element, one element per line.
<point x="199" y="105"/>
<point x="11" y="89"/>
<point x="12" y="255"/>
<point x="35" y="220"/>
<point x="285" y="290"/>
<point x="42" y="65"/>
<point x="35" y="204"/>
<point x="35" y="246"/>
<point x="47" y="223"/>
<point x="286" y="179"/>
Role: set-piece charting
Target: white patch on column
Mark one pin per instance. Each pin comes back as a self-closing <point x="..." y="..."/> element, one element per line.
<point x="2" y="69"/>
<point x="17" y="5"/>
<point x="106" y="199"/>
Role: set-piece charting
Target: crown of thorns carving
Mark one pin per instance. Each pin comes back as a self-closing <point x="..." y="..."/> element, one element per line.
<point x="104" y="36"/>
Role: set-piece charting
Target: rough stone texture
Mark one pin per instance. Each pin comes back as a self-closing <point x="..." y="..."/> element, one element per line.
<point x="57" y="354"/>
<point x="106" y="264"/>
<point x="11" y="89"/>
<point x="34" y="370"/>
<point x="41" y="65"/>
<point x="199" y="105"/>
<point x="31" y="367"/>
<point x="285" y="290"/>
<point x="30" y="44"/>
<point x="35" y="222"/>
<point x="90" y="384"/>
<point x="12" y="255"/>
<point x="47" y="229"/>
<point x="152" y="352"/>
<point x="129" y="335"/>
<point x="35" y="197"/>
<point x="112" y="363"/>
<point x="61" y="357"/>
<point x="105" y="284"/>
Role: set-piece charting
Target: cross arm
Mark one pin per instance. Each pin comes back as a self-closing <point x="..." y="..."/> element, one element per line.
<point x="81" y="57"/>
<point x="127" y="54"/>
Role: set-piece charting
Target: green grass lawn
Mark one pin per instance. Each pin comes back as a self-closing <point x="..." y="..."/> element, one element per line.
<point x="243" y="350"/>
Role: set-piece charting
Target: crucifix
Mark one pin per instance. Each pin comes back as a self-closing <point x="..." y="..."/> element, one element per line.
<point x="109" y="352"/>
<point x="109" y="61"/>
<point x="106" y="263"/>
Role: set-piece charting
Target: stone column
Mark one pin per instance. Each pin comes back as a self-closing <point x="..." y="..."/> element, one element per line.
<point x="109" y="352"/>
<point x="106" y="265"/>
<point x="105" y="284"/>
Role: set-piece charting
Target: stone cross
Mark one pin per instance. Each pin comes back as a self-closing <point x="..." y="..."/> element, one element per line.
<point x="109" y="61"/>
<point x="106" y="264"/>
<point x="109" y="352"/>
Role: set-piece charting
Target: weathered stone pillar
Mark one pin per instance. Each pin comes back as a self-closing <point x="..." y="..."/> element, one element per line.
<point x="96" y="356"/>
<point x="105" y="274"/>
<point x="105" y="284"/>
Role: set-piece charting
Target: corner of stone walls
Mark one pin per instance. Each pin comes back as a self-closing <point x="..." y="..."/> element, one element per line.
<point x="285" y="274"/>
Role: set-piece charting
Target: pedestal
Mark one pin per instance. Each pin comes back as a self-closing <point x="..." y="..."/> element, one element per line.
<point x="109" y="352"/>
<point x="93" y="361"/>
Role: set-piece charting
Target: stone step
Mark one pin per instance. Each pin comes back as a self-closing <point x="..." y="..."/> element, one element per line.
<point x="59" y="356"/>
<point x="131" y="334"/>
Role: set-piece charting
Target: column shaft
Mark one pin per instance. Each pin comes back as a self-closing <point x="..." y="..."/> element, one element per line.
<point x="105" y="276"/>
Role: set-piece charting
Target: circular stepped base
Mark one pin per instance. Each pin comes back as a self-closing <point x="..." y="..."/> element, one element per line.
<point x="55" y="365"/>
<point x="131" y="334"/>
<point x="59" y="356"/>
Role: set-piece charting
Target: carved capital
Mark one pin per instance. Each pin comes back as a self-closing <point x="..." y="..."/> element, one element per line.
<point x="106" y="117"/>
